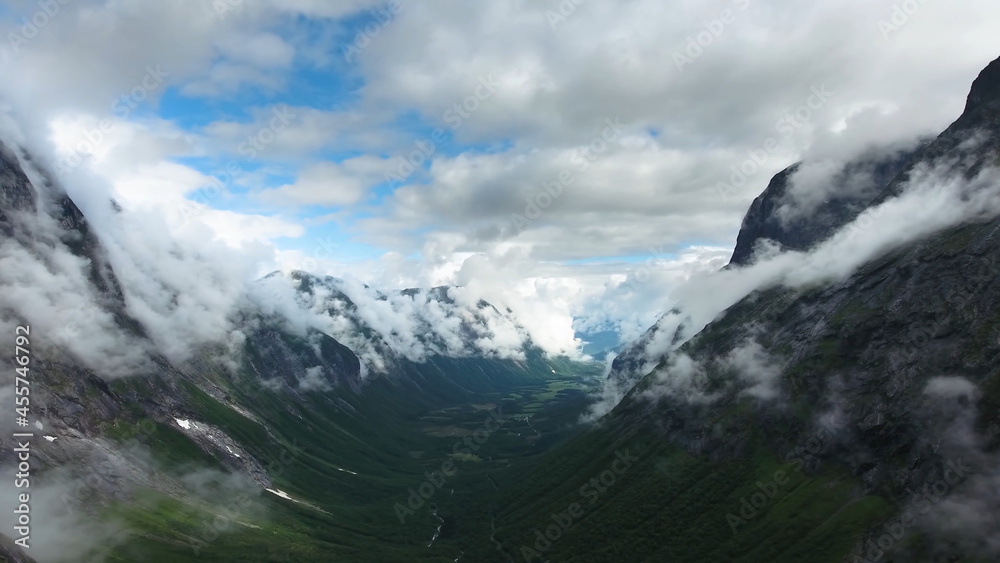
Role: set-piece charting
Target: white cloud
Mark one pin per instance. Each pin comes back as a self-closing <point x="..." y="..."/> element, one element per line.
<point x="413" y="325"/>
<point x="329" y="183"/>
<point x="951" y="388"/>
<point x="262" y="50"/>
<point x="313" y="380"/>
<point x="752" y="364"/>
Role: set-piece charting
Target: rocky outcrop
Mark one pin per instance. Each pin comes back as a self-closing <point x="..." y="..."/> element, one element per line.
<point x="850" y="192"/>
<point x="11" y="553"/>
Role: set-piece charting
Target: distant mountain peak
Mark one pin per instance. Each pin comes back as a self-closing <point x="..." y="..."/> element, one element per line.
<point x="986" y="87"/>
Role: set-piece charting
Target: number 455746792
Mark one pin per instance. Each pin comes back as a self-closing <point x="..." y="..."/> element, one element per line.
<point x="22" y="355"/>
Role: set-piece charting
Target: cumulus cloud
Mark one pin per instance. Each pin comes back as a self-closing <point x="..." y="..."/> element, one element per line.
<point x="557" y="86"/>
<point x="328" y="183"/>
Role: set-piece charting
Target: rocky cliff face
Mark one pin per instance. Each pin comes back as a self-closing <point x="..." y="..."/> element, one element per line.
<point x="971" y="143"/>
<point x="985" y="90"/>
<point x="906" y="348"/>
<point x="873" y="178"/>
<point x="850" y="190"/>
<point x="17" y="194"/>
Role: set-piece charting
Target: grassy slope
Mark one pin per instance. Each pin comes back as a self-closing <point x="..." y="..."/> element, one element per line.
<point x="385" y="441"/>
<point x="671" y="506"/>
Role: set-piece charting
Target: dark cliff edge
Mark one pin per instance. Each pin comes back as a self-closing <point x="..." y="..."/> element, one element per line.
<point x="847" y="200"/>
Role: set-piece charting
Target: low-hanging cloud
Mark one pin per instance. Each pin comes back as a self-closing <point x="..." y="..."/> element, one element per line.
<point x="936" y="196"/>
<point x="377" y="326"/>
<point x="183" y="288"/>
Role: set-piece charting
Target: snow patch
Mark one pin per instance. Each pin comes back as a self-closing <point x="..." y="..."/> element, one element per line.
<point x="281" y="494"/>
